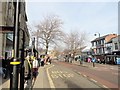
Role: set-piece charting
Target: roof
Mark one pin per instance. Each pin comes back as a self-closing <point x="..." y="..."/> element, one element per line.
<point x="110" y="41"/>
<point x="103" y="37"/>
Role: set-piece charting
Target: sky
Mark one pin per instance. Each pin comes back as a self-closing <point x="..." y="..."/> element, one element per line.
<point x="93" y="16"/>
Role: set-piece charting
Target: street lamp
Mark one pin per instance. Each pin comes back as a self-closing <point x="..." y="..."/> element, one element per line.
<point x="93" y="60"/>
<point x="97" y="33"/>
<point x="33" y="46"/>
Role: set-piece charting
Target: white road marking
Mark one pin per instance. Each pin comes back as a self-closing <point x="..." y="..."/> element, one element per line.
<point x="64" y="75"/>
<point x="53" y="72"/>
<point x="57" y="71"/>
<point x="105" y="86"/>
<point x="60" y="75"/>
<point x="70" y="75"/>
<point x="49" y="78"/>
<point x="54" y="76"/>
<point x="84" y="75"/>
<point x="93" y="80"/>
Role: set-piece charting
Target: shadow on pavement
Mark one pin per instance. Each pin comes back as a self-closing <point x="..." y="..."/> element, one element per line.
<point x="4" y="80"/>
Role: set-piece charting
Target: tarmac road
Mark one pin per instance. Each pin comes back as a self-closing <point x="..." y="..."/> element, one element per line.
<point x="66" y="78"/>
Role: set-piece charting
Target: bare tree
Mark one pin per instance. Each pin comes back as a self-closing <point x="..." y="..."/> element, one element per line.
<point x="75" y="41"/>
<point x="49" y="31"/>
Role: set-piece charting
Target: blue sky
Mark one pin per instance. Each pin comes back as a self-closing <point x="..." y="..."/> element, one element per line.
<point x="89" y="17"/>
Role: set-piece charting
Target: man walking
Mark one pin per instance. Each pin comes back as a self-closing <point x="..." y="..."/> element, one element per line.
<point x="35" y="69"/>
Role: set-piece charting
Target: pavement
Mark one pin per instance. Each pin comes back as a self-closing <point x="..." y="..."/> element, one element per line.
<point x="41" y="80"/>
<point x="97" y="65"/>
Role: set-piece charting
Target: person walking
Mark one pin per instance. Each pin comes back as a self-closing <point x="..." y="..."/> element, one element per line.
<point x="35" y="66"/>
<point x="93" y="60"/>
<point x="79" y="58"/>
<point x="42" y="60"/>
<point x="27" y="69"/>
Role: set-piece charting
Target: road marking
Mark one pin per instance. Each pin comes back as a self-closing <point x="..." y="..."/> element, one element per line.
<point x="84" y="75"/>
<point x="79" y="72"/>
<point x="64" y="75"/>
<point x="93" y="80"/>
<point x="53" y="72"/>
<point x="54" y="76"/>
<point x="70" y="75"/>
<point x="105" y="86"/>
<point x="49" y="78"/>
<point x="60" y="75"/>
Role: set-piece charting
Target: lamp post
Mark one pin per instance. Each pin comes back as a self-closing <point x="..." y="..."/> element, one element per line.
<point x="33" y="47"/>
<point x="15" y="63"/>
<point x="98" y="40"/>
<point x="37" y="42"/>
<point x="93" y="60"/>
<point x="97" y="33"/>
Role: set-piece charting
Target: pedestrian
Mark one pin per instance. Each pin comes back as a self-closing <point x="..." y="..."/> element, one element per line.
<point x="4" y="68"/>
<point x="35" y="66"/>
<point x="98" y="60"/>
<point x="46" y="59"/>
<point x="89" y="60"/>
<point x="80" y="60"/>
<point x="93" y="60"/>
<point x="27" y="69"/>
<point x="42" y="60"/>
<point x="50" y="60"/>
<point x="71" y="58"/>
<point x="39" y="60"/>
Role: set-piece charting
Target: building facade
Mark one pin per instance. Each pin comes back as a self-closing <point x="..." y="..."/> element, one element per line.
<point x="7" y="23"/>
<point x="113" y="50"/>
<point x="6" y="27"/>
<point x="101" y="46"/>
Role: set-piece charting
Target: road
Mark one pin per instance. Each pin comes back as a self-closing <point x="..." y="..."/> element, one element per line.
<point x="61" y="74"/>
<point x="104" y="75"/>
<point x="66" y="78"/>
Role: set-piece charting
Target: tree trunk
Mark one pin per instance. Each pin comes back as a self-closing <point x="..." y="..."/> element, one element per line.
<point x="46" y="49"/>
